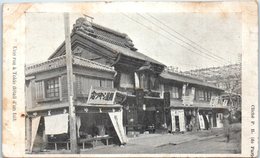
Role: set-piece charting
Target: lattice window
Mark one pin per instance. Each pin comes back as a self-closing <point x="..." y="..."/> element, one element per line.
<point x="52" y="88"/>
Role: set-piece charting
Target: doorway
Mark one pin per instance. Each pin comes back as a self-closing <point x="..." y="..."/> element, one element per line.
<point x="177" y="123"/>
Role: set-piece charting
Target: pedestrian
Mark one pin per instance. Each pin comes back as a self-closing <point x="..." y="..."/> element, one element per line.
<point x="226" y="123"/>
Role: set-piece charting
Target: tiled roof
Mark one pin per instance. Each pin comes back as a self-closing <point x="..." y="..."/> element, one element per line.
<point x="61" y="62"/>
<point x="113" y="40"/>
<point x="127" y="52"/>
<point x="186" y="79"/>
<point x="123" y="35"/>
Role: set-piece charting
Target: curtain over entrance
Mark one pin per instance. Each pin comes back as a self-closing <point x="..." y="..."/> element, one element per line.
<point x="35" y="125"/>
<point x="56" y="124"/>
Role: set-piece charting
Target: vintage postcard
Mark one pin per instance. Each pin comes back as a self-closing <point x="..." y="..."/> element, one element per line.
<point x="130" y="79"/>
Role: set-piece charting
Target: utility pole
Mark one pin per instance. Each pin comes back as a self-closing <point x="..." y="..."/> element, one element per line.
<point x="72" y="115"/>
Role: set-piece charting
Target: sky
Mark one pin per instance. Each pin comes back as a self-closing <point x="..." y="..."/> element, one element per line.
<point x="214" y="34"/>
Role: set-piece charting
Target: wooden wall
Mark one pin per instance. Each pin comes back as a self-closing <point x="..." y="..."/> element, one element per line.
<point x="84" y="78"/>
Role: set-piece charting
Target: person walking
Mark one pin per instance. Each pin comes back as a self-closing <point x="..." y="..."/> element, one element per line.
<point x="226" y="123"/>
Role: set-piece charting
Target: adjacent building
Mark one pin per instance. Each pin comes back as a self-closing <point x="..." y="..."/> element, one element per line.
<point x="194" y="104"/>
<point x="226" y="77"/>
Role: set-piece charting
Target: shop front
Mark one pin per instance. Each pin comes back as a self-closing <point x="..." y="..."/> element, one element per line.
<point x="98" y="122"/>
<point x="190" y="118"/>
<point x="178" y="120"/>
<point x="211" y="118"/>
<point x="182" y="119"/>
<point x="143" y="115"/>
<point x="102" y="116"/>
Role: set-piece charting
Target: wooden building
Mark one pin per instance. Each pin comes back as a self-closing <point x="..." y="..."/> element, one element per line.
<point x="194" y="104"/>
<point x="112" y="82"/>
<point x="47" y="99"/>
<point x="135" y="72"/>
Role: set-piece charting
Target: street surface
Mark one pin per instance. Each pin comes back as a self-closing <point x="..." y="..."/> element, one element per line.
<point x="202" y="142"/>
<point x="208" y="142"/>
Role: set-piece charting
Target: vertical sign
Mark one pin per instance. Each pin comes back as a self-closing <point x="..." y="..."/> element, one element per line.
<point x="166" y="97"/>
<point x="184" y="89"/>
<point x="137" y="83"/>
<point x="201" y="121"/>
<point x="225" y="102"/>
<point x="139" y="97"/>
<point x="193" y="92"/>
<point x="72" y="116"/>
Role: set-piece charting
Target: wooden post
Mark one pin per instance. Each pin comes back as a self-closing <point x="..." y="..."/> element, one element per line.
<point x="197" y="119"/>
<point x="28" y="128"/>
<point x="72" y="115"/>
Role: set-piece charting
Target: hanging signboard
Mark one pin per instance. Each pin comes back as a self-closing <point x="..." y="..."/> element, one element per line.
<point x="211" y="101"/>
<point x="137" y="83"/>
<point x="225" y="102"/>
<point x="98" y="95"/>
<point x="201" y="122"/>
<point x="214" y="101"/>
<point x="184" y="89"/>
<point x="187" y="100"/>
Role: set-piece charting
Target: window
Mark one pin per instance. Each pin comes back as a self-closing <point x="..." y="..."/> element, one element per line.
<point x="208" y="95"/>
<point x="106" y="83"/>
<point x="84" y="84"/>
<point x="205" y="95"/>
<point x="52" y="88"/>
<point x="143" y="81"/>
<point x="126" y="80"/>
<point x="175" y="92"/>
<point x="201" y="95"/>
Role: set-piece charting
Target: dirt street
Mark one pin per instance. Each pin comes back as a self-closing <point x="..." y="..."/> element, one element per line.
<point x="212" y="141"/>
<point x="202" y="142"/>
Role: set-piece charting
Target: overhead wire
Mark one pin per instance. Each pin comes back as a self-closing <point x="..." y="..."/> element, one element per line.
<point x="190" y="66"/>
<point x="159" y="21"/>
<point x="168" y="38"/>
<point x="174" y="36"/>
